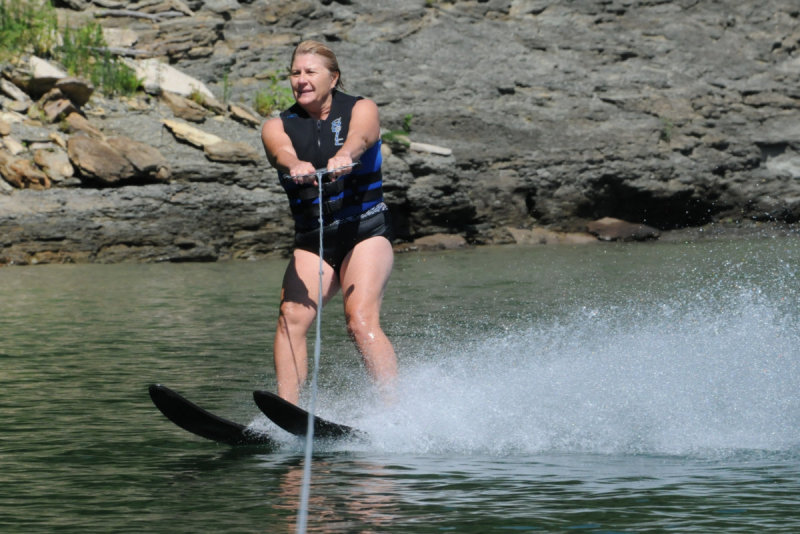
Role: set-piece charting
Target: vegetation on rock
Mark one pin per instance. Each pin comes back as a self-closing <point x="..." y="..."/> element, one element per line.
<point x="26" y="25"/>
<point x="275" y="96"/>
<point x="32" y="27"/>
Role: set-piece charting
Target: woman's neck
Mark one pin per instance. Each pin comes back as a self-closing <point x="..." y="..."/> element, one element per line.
<point x="324" y="109"/>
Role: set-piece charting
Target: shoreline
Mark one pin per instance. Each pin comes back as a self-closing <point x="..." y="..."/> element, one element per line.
<point x="718" y="231"/>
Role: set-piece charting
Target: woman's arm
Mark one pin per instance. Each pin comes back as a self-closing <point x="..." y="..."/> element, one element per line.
<point x="363" y="132"/>
<point x="280" y="151"/>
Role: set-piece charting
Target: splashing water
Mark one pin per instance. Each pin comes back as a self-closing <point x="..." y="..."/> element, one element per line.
<point x="689" y="352"/>
<point x="707" y="376"/>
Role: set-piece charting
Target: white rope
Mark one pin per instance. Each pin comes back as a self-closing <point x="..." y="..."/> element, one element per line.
<point x="305" y="492"/>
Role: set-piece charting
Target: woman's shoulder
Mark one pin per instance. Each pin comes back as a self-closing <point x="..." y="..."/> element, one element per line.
<point x="346" y="98"/>
<point x="365" y="105"/>
<point x="355" y="102"/>
<point x="292" y="112"/>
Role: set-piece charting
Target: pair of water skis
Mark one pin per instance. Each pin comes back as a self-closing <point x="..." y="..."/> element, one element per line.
<point x="286" y="415"/>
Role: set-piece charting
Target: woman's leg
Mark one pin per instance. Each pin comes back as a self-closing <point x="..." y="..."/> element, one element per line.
<point x="363" y="277"/>
<point x="298" y="309"/>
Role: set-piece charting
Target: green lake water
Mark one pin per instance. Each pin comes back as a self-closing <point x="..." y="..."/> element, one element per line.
<point x="608" y="388"/>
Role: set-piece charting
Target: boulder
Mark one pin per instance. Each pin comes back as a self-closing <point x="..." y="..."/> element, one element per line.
<point x="43" y="76"/>
<point x="97" y="161"/>
<point x="12" y="117"/>
<point x="221" y="7"/>
<point x="79" y="123"/>
<point x="117" y="160"/>
<point x="13" y="146"/>
<point x="231" y="152"/>
<point x="54" y="162"/>
<point x="55" y="106"/>
<point x="120" y="37"/>
<point x="21" y="172"/>
<point x="158" y="77"/>
<point x="244" y="115"/>
<point x="439" y="205"/>
<point x="544" y="236"/>
<point x="148" y="162"/>
<point x="77" y="90"/>
<point x="190" y="134"/>
<point x="12" y="91"/>
<point x="184" y="108"/>
<point x="184" y="38"/>
<point x="611" y="229"/>
<point x="162" y="6"/>
<point x="435" y="242"/>
<point x="430" y="149"/>
<point x="57" y="140"/>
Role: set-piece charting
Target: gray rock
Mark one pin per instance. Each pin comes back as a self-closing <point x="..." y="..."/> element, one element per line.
<point x="435" y="242"/>
<point x="21" y="172"/>
<point x="228" y="152"/>
<point x="97" y="161"/>
<point x="245" y="115"/>
<point x="147" y="161"/>
<point x="77" y="90"/>
<point x="221" y="7"/>
<point x="151" y="223"/>
<point x="545" y="116"/>
<point x="14" y="92"/>
<point x="610" y="229"/>
<point x="183" y="108"/>
<point x="55" y="106"/>
<point x="55" y="163"/>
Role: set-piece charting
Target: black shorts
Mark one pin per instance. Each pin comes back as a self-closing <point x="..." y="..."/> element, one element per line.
<point x="339" y="238"/>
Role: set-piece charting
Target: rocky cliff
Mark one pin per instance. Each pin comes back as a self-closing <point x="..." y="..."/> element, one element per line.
<point x="523" y="115"/>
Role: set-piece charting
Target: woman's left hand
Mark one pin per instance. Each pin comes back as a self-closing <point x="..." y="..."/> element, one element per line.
<point x="342" y="163"/>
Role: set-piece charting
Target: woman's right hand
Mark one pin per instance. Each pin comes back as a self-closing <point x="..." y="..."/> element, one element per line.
<point x="303" y="172"/>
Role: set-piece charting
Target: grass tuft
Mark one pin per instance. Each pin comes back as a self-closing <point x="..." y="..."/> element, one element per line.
<point x="274" y="97"/>
<point x="31" y="27"/>
<point x="27" y="26"/>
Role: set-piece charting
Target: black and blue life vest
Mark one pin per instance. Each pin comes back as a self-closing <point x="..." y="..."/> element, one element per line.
<point x="316" y="141"/>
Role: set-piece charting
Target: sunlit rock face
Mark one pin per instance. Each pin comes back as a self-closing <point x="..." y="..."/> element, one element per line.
<point x="512" y="116"/>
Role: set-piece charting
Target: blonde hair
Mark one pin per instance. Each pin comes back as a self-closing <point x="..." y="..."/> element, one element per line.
<point x="322" y="50"/>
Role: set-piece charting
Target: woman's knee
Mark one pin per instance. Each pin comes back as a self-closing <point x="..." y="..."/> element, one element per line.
<point x="362" y="326"/>
<point x="295" y="316"/>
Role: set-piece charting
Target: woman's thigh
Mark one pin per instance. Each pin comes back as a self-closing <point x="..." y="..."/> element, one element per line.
<point x="364" y="274"/>
<point x="301" y="281"/>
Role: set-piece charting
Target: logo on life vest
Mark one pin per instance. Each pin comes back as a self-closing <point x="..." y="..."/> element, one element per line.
<point x="336" y="128"/>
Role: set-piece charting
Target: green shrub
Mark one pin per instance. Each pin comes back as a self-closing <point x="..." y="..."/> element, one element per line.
<point x="399" y="136"/>
<point x="197" y="97"/>
<point x="666" y="130"/>
<point x="26" y="26"/>
<point x="83" y="53"/>
<point x="396" y="137"/>
<point x="275" y="97"/>
<point x="31" y="26"/>
<point x="407" y="122"/>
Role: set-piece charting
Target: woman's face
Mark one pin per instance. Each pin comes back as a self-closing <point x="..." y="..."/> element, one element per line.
<point x="311" y="81"/>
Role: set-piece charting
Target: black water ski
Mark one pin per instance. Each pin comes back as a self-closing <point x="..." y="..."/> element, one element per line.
<point x="294" y="419"/>
<point x="196" y="420"/>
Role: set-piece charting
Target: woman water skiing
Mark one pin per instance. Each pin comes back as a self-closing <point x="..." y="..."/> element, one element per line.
<point x="329" y="129"/>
